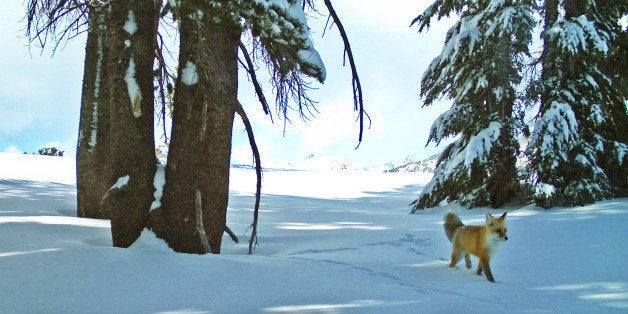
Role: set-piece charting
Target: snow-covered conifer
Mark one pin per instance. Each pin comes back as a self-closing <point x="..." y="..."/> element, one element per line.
<point x="479" y="69"/>
<point x="576" y="150"/>
<point x="217" y="37"/>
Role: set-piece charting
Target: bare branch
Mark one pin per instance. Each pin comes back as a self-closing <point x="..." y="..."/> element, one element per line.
<point x="164" y="78"/>
<point x="200" y="228"/>
<point x="58" y="20"/>
<point x="232" y="235"/>
<point x="258" y="170"/>
<point x="250" y="68"/>
<point x="358" y="100"/>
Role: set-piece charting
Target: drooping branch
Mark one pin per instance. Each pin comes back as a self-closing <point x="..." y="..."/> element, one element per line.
<point x="288" y="53"/>
<point x="250" y="68"/>
<point x="57" y="20"/>
<point x="258" y="170"/>
<point x="289" y="85"/>
<point x="358" y="100"/>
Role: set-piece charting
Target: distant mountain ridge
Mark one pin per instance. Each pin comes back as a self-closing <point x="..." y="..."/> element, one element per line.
<point x="410" y="164"/>
<point x="340" y="164"/>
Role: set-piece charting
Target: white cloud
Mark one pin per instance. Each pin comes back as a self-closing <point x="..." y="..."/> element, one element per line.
<point x="13" y="120"/>
<point x="12" y="149"/>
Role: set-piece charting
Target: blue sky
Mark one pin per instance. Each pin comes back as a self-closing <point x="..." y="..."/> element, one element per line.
<point x="40" y="92"/>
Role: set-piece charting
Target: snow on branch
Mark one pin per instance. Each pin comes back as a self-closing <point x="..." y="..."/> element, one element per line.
<point x="283" y="31"/>
<point x="579" y="35"/>
<point x="477" y="148"/>
<point x="449" y="123"/>
<point x="438" y="10"/>
<point x="555" y="133"/>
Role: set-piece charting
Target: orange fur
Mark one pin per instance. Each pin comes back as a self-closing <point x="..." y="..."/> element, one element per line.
<point x="481" y="241"/>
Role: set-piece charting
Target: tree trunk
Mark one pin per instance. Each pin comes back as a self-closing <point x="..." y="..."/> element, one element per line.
<point x="131" y="43"/>
<point x="192" y="218"/>
<point x="502" y="182"/>
<point x="93" y="166"/>
<point x="548" y="58"/>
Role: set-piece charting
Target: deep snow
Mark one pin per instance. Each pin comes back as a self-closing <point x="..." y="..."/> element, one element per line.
<point x="330" y="242"/>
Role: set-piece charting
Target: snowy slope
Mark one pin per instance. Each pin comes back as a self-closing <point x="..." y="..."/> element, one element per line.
<point x="330" y="242"/>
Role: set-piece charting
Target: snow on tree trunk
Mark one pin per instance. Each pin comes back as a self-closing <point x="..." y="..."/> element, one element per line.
<point x="93" y="164"/>
<point x="197" y="173"/>
<point x="131" y="44"/>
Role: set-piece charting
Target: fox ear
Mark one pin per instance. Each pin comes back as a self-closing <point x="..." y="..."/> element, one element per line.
<point x="489" y="219"/>
<point x="503" y="216"/>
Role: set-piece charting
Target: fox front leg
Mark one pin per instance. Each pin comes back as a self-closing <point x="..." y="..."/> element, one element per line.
<point x="467" y="260"/>
<point x="484" y="265"/>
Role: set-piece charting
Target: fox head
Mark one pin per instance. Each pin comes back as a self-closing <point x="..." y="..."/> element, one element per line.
<point x="497" y="226"/>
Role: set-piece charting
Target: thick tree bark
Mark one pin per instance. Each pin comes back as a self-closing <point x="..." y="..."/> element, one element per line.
<point x="93" y="164"/>
<point x="502" y="182"/>
<point x="548" y="58"/>
<point x="549" y="66"/>
<point x="197" y="173"/>
<point x="131" y="43"/>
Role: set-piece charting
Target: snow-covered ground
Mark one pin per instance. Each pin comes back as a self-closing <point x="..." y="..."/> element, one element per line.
<point x="330" y="242"/>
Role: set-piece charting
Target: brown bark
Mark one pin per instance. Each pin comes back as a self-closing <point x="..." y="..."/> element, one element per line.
<point x="93" y="164"/>
<point x="548" y="58"/>
<point x="200" y="148"/>
<point x="132" y="131"/>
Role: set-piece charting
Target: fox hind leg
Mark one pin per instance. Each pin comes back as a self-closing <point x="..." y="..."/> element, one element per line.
<point x="456" y="256"/>
<point x="467" y="260"/>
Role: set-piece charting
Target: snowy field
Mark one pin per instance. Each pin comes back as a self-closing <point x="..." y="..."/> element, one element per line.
<point x="330" y="242"/>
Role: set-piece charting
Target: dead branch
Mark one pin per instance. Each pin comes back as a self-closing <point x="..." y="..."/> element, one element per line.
<point x="199" y="223"/>
<point x="231" y="234"/>
<point x="358" y="101"/>
<point x="258" y="170"/>
<point x="250" y="68"/>
<point x="164" y="75"/>
<point x="163" y="82"/>
<point x="59" y="20"/>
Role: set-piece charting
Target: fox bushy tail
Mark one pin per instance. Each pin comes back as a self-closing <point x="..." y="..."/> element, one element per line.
<point x="452" y="223"/>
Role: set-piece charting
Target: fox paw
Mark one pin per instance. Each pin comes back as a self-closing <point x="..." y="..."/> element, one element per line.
<point x="468" y="265"/>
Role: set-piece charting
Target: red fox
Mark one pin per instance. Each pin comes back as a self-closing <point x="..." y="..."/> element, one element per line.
<point x="481" y="241"/>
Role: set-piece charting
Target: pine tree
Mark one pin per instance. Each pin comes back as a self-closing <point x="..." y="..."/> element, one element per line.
<point x="62" y="20"/>
<point x="93" y="164"/>
<point x="576" y="142"/>
<point x="117" y="115"/>
<point x="479" y="69"/>
<point x="615" y="67"/>
<point x="192" y="217"/>
<point x="131" y="42"/>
